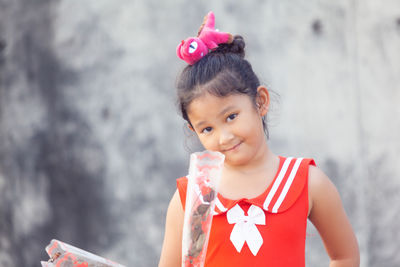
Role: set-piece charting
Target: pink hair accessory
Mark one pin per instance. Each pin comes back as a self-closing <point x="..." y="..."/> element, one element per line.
<point x="193" y="49"/>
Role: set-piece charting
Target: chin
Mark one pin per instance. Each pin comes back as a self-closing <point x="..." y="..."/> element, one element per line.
<point x="236" y="161"/>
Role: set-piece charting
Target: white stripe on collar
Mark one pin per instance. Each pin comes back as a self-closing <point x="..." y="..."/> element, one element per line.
<point x="287" y="185"/>
<point x="277" y="182"/>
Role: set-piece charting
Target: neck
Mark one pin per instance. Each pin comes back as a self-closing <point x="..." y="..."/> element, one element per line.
<point x="249" y="180"/>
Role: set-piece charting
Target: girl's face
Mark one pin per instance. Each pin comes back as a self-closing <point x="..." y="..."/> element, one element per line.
<point x="231" y="125"/>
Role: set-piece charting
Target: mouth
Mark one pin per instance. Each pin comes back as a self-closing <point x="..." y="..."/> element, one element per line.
<point x="232" y="148"/>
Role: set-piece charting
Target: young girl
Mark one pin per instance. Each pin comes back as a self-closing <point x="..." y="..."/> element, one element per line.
<point x="264" y="200"/>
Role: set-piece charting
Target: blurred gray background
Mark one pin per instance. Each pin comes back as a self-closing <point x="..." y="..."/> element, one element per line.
<point x="91" y="141"/>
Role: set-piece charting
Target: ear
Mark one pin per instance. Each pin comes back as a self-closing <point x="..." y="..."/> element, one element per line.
<point x="262" y="100"/>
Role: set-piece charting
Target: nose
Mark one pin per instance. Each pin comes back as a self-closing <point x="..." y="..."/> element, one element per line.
<point x="225" y="136"/>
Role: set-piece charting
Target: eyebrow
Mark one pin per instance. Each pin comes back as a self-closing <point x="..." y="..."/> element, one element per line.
<point x="222" y="112"/>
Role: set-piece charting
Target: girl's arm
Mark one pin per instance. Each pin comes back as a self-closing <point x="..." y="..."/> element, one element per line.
<point x="172" y="246"/>
<point x="327" y="214"/>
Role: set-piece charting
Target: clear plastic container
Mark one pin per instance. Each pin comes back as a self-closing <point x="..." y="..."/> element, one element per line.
<point x="203" y="180"/>
<point x="64" y="255"/>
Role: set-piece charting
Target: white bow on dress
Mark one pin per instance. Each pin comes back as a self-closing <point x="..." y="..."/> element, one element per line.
<point x="245" y="229"/>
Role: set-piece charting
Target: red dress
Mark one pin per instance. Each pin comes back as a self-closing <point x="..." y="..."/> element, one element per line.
<point x="269" y="230"/>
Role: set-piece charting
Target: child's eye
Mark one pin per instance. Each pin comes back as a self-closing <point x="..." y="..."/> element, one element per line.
<point x="206" y="130"/>
<point x="231" y="117"/>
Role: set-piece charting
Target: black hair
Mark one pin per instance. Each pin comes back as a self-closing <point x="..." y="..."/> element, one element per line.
<point x="222" y="72"/>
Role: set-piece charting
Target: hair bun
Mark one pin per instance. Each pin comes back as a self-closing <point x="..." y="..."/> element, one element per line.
<point x="236" y="47"/>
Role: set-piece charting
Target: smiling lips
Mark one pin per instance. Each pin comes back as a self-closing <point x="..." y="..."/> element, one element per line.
<point x="232" y="148"/>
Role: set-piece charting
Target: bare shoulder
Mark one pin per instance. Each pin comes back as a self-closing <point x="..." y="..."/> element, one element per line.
<point x="323" y="194"/>
<point x="320" y="185"/>
<point x="175" y="205"/>
<point x="317" y="177"/>
<point x="327" y="214"/>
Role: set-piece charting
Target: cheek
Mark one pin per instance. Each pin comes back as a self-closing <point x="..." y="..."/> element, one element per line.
<point x="252" y="128"/>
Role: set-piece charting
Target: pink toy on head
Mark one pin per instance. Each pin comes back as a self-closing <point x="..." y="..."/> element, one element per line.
<point x="194" y="48"/>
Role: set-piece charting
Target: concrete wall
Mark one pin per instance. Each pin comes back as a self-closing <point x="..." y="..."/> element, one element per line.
<point x="91" y="142"/>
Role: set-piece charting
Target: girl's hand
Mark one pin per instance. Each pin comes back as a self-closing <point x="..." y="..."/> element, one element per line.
<point x="327" y="214"/>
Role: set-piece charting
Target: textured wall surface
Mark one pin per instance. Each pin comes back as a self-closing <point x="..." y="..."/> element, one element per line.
<point x="91" y="142"/>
